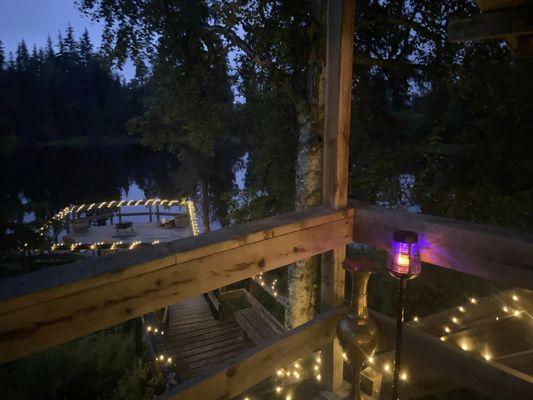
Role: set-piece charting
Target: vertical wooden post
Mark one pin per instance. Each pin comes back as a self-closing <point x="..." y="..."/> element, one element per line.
<point x="339" y="58"/>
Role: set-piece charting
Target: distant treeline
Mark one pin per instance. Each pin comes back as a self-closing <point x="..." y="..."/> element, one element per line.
<point x="62" y="90"/>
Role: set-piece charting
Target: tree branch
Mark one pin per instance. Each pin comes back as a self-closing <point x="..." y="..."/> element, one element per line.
<point x="240" y="43"/>
<point x="424" y="31"/>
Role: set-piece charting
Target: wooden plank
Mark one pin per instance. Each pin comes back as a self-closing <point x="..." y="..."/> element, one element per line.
<point x="229" y="380"/>
<point x="339" y="61"/>
<point x="469" y="369"/>
<point x="50" y="307"/>
<point x="485" y="251"/>
<point x="491" y="25"/>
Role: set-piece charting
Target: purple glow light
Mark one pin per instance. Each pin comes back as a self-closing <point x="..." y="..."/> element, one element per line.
<point x="404" y="260"/>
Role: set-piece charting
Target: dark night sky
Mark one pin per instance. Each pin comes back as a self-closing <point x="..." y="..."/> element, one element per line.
<point x="34" y="20"/>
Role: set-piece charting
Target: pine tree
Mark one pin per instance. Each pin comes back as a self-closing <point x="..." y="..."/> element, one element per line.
<point x="23" y="57"/>
<point x="86" y="47"/>
<point x="70" y="44"/>
<point x="49" y="48"/>
<point x="2" y="56"/>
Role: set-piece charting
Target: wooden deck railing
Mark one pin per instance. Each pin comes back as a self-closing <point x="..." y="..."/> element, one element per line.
<point x="49" y="307"/>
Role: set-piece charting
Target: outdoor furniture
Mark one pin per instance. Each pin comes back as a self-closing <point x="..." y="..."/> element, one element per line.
<point x="124" y="229"/>
<point x="79" y="225"/>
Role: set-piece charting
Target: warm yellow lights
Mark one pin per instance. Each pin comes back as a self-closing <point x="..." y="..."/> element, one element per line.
<point x="516" y="313"/>
<point x="487" y="356"/>
<point x="455" y="320"/>
<point x="473" y="300"/>
<point x="280" y="372"/>
<point x="316" y="367"/>
<point x="415" y="318"/>
<point x="402" y="260"/>
<point x="319" y="377"/>
<point x="288" y="397"/>
<point x="447" y="329"/>
<point x="515" y="297"/>
<point x="403" y="376"/>
<point x="278" y="389"/>
<point x="370" y="360"/>
<point x="386" y="367"/>
<point x="505" y="309"/>
<point x="296" y="365"/>
<point x="462" y="309"/>
<point x="443" y="338"/>
<point x="464" y="345"/>
<point x="344" y="356"/>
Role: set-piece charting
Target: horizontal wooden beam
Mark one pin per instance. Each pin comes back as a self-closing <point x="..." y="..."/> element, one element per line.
<point x="231" y="379"/>
<point x="514" y="21"/>
<point x="421" y="351"/>
<point x="49" y="307"/>
<point x="485" y="251"/>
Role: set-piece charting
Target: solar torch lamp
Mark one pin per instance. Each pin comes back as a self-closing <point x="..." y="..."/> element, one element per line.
<point x="403" y="264"/>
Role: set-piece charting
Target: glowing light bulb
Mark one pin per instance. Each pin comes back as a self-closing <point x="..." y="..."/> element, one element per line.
<point x="473" y="300"/>
<point x="279" y="372"/>
<point x="455" y="320"/>
<point x="386" y="367"/>
<point x="296" y="365"/>
<point x="278" y="389"/>
<point x="344" y="356"/>
<point x="462" y="309"/>
<point x="447" y="329"/>
<point x="288" y="397"/>
<point x="505" y="309"/>
<point x="169" y="360"/>
<point x="443" y="338"/>
<point x="403" y="376"/>
<point x="464" y="346"/>
<point x="415" y="318"/>
<point x="515" y="297"/>
<point x="516" y="313"/>
<point x="487" y="356"/>
<point x="316" y="367"/>
<point x="319" y="377"/>
<point x="371" y="360"/>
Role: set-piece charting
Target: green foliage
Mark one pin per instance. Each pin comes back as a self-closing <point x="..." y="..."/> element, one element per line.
<point x="102" y="365"/>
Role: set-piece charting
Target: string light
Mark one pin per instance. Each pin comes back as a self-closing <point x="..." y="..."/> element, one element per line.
<point x="473" y="300"/>
<point x="505" y="309"/>
<point x="455" y="320"/>
<point x="278" y="389"/>
<point x="515" y="297"/>
<point x="403" y="376"/>
<point x="415" y="318"/>
<point x="447" y="329"/>
<point x="487" y="356"/>
<point x="462" y="309"/>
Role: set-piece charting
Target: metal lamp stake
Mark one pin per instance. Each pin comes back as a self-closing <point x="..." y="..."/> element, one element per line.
<point x="403" y="264"/>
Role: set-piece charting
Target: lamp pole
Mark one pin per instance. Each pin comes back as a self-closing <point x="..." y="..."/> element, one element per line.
<point x="403" y="264"/>
<point x="399" y="329"/>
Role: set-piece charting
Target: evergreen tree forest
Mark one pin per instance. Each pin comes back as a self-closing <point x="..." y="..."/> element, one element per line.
<point x="62" y="91"/>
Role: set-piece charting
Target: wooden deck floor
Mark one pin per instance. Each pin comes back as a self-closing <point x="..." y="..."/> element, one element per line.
<point x="197" y="340"/>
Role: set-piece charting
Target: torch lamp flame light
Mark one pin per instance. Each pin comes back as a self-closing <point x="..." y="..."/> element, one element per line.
<point x="404" y="262"/>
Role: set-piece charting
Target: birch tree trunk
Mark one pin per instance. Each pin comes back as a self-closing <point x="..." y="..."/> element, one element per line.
<point x="303" y="275"/>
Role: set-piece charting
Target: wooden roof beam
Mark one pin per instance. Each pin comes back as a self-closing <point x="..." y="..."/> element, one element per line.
<point x="515" y="21"/>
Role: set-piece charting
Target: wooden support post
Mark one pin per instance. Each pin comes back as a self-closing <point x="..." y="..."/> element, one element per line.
<point x="339" y="58"/>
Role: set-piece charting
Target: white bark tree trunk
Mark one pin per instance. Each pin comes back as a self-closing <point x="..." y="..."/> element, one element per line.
<point x="303" y="275"/>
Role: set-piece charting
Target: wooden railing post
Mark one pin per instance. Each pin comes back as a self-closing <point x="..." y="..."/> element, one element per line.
<point x="339" y="57"/>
